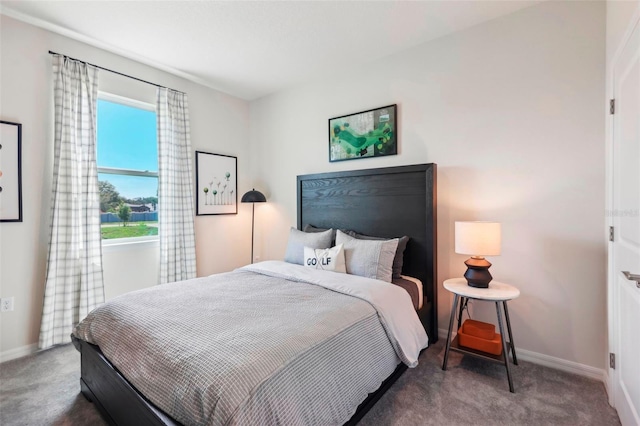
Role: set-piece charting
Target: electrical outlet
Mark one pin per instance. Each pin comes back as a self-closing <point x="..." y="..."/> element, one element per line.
<point x="6" y="304"/>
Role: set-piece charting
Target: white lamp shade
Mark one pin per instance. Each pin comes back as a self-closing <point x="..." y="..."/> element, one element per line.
<point x="478" y="238"/>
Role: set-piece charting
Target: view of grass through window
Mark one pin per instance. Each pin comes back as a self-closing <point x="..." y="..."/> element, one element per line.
<point x="127" y="168"/>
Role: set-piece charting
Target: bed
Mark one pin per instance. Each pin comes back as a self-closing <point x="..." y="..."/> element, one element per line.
<point x="366" y="201"/>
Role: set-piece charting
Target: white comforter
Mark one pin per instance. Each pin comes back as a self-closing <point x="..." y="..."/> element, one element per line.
<point x="393" y="303"/>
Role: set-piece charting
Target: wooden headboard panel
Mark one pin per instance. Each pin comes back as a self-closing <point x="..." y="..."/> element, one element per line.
<point x="386" y="202"/>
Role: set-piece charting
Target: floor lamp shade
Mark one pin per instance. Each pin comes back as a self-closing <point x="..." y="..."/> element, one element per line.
<point x="478" y="239"/>
<point x="253" y="197"/>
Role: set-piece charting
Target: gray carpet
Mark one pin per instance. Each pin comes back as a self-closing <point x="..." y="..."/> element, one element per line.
<point x="43" y="389"/>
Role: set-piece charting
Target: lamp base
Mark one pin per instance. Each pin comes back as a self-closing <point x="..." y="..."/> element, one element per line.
<point x="478" y="274"/>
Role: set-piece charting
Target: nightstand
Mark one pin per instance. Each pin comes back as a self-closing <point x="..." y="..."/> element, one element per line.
<point x="497" y="292"/>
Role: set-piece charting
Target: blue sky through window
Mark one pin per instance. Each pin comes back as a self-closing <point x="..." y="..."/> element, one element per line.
<point x="127" y="140"/>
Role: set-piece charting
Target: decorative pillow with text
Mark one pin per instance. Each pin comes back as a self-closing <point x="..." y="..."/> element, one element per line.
<point x="331" y="259"/>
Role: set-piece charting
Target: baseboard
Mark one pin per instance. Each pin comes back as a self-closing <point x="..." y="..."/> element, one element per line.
<point x="553" y="362"/>
<point x="562" y="364"/>
<point x="18" y="352"/>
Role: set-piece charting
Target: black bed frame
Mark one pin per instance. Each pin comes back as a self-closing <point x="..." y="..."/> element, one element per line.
<point x="386" y="202"/>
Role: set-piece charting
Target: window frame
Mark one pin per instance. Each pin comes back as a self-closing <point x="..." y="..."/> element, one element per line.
<point x="115" y="244"/>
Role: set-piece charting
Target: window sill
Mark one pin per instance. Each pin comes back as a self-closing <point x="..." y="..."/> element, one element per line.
<point x="123" y="244"/>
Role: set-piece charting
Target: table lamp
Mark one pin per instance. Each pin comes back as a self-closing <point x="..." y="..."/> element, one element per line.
<point x="253" y="197"/>
<point x="478" y="239"/>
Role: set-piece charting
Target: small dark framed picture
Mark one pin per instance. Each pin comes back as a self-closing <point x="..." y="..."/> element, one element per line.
<point x="216" y="184"/>
<point x="10" y="172"/>
<point x="365" y="134"/>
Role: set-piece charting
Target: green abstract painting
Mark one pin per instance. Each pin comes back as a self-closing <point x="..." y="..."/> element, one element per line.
<point x="364" y="134"/>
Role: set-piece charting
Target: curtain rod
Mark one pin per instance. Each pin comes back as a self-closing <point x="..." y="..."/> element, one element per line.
<point x="115" y="72"/>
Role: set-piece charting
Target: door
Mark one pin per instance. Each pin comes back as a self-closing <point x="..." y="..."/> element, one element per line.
<point x="625" y="250"/>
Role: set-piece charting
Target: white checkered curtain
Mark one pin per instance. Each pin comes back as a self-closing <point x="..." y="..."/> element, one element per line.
<point x="175" y="188"/>
<point x="74" y="283"/>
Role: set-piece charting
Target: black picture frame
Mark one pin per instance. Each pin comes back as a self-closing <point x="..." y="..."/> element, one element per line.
<point x="365" y="134"/>
<point x="216" y="184"/>
<point x="10" y="171"/>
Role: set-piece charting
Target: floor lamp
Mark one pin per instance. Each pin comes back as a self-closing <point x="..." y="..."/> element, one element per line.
<point x="253" y="197"/>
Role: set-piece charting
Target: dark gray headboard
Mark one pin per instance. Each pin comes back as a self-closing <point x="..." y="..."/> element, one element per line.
<point x="385" y="202"/>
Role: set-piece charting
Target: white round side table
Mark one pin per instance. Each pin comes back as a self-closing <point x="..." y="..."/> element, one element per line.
<point x="497" y="292"/>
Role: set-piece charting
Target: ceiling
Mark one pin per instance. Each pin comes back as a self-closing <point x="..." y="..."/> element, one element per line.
<point x="250" y="49"/>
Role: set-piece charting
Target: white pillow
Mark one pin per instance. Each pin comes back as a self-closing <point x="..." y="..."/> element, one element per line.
<point x="368" y="258"/>
<point x="331" y="259"/>
<point x="298" y="240"/>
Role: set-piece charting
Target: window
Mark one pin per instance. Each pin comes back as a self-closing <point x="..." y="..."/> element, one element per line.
<point x="127" y="168"/>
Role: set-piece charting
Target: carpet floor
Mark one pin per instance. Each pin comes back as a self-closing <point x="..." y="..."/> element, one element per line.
<point x="44" y="389"/>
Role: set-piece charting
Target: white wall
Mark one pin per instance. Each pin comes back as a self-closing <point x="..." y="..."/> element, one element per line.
<point x="512" y="113"/>
<point x="219" y="124"/>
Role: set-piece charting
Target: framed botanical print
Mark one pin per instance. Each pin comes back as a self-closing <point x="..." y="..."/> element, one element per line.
<point x="10" y="172"/>
<point x="216" y="184"/>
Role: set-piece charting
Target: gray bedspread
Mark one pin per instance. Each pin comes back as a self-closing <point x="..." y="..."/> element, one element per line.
<point x="245" y="348"/>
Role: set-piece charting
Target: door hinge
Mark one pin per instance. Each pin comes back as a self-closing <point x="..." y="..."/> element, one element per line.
<point x="612" y="360"/>
<point x="611" y="233"/>
<point x="612" y="106"/>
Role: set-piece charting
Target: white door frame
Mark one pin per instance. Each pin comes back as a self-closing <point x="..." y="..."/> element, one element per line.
<point x="612" y="307"/>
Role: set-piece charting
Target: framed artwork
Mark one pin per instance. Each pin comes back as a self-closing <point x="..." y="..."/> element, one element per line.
<point x="10" y="172"/>
<point x="216" y="184"/>
<point x="364" y="134"/>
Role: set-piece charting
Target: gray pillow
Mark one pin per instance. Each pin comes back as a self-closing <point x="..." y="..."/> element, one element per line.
<point x="311" y="228"/>
<point x="398" y="260"/>
<point x="298" y="240"/>
<point x="368" y="258"/>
